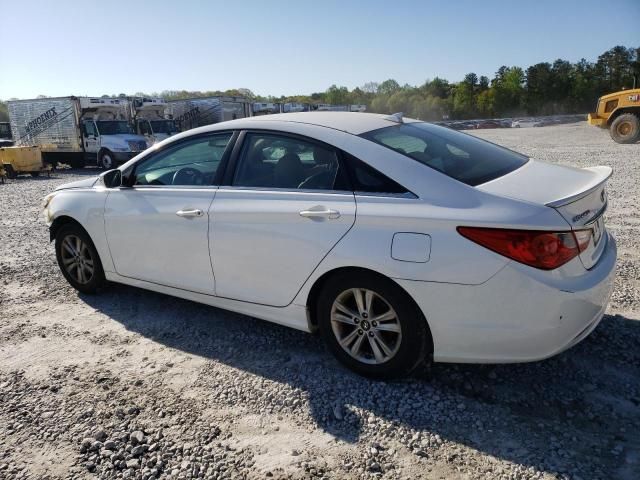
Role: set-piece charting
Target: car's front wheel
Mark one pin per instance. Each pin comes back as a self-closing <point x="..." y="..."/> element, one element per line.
<point x="372" y="326"/>
<point x="78" y="259"/>
<point x="106" y="160"/>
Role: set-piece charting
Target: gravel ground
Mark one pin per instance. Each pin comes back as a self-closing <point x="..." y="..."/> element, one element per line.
<point x="133" y="384"/>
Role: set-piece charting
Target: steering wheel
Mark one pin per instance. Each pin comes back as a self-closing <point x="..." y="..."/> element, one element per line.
<point x="187" y="176"/>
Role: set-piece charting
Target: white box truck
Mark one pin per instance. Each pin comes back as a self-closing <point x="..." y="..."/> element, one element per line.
<point x="76" y="130"/>
<point x="325" y="107"/>
<point x="148" y="118"/>
<point x="265" y="108"/>
<point x="294" y="107"/>
<point x="197" y="112"/>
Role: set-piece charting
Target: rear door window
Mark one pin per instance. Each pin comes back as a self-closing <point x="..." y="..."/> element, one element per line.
<point x="460" y="156"/>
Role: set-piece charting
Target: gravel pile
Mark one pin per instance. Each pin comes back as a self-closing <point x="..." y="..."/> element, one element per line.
<point x="133" y="384"/>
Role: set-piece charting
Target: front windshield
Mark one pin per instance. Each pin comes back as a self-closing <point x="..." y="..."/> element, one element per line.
<point x="464" y="157"/>
<point x="163" y="126"/>
<point x="113" y="127"/>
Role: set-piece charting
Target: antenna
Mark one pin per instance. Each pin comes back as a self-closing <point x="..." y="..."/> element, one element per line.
<point x="395" y="117"/>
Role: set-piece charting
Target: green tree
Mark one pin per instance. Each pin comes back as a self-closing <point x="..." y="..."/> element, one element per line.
<point x="337" y="95"/>
<point x="388" y="87"/>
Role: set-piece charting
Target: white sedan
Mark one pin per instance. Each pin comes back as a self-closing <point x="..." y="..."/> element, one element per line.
<point x="398" y="240"/>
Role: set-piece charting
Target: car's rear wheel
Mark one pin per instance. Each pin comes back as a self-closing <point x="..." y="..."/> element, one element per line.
<point x="372" y="326"/>
<point x="78" y="259"/>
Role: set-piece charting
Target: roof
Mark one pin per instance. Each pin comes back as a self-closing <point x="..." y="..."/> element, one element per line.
<point x="351" y="122"/>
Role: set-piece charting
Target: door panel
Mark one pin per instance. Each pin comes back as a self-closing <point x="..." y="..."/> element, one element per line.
<point x="263" y="249"/>
<point x="90" y="137"/>
<point x="158" y="234"/>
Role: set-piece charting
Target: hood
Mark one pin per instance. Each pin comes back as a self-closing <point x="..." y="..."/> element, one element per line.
<point x="128" y="137"/>
<point x="84" y="183"/>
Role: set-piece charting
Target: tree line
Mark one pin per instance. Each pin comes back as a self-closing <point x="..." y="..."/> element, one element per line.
<point x="541" y="89"/>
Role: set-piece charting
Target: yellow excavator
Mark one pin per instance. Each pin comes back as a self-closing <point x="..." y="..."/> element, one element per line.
<point x="620" y="113"/>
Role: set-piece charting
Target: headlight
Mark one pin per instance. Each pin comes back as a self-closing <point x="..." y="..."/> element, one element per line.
<point x="47" y="200"/>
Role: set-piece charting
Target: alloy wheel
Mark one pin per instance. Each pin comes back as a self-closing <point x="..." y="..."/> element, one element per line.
<point x="366" y="326"/>
<point x="77" y="259"/>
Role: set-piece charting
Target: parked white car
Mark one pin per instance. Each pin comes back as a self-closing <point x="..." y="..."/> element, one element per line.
<point x="397" y="240"/>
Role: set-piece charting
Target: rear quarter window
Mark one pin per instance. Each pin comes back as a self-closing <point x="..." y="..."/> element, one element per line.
<point x="460" y="156"/>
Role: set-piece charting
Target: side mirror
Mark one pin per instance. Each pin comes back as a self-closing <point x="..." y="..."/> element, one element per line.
<point x="112" y="178"/>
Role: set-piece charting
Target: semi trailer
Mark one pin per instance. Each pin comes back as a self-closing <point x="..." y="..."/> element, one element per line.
<point x="197" y="112"/>
<point x="76" y="130"/>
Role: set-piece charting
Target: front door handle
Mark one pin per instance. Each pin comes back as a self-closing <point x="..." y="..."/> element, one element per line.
<point x="190" y="213"/>
<point x="324" y="213"/>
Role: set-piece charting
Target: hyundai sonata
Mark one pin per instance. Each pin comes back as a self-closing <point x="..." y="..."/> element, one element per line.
<point x="396" y="240"/>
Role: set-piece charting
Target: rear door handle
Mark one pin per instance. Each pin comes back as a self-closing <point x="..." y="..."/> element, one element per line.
<point x="326" y="213"/>
<point x="190" y="213"/>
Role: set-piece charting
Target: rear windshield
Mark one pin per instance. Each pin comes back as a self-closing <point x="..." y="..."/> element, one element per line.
<point x="458" y="155"/>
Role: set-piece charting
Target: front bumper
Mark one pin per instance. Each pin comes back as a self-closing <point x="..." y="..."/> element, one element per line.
<point x="515" y="316"/>
<point x="596" y="121"/>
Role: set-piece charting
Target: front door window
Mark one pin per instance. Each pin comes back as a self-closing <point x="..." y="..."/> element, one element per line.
<point x="191" y="163"/>
<point x="274" y="161"/>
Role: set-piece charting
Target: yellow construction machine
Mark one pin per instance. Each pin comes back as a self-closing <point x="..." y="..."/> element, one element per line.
<point x="15" y="161"/>
<point x="620" y="113"/>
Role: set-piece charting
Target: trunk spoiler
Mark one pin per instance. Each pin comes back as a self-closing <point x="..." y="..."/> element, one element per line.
<point x="601" y="175"/>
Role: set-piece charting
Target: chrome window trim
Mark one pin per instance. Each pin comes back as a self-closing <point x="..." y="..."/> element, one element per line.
<point x="406" y="195"/>
<point x="172" y="187"/>
<point x="287" y="190"/>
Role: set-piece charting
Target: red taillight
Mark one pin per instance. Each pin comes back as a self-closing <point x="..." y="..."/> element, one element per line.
<point x="539" y="249"/>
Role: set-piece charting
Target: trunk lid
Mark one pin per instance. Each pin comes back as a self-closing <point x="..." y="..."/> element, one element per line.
<point x="578" y="194"/>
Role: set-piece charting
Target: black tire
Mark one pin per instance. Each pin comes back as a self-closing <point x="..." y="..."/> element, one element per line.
<point x="96" y="280"/>
<point x="35" y="174"/>
<point x="411" y="347"/>
<point x="625" y="128"/>
<point x="11" y="173"/>
<point x="106" y="160"/>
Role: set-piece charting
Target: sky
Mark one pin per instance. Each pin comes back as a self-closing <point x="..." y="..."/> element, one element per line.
<point x="282" y="47"/>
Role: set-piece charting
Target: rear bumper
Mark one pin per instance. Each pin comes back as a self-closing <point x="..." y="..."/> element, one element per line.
<point x="515" y="316"/>
<point x="596" y="121"/>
